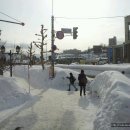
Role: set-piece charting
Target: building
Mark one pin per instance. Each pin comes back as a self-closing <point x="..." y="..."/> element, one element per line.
<point x="120" y="53"/>
<point x="112" y="41"/>
<point x="97" y="49"/>
<point x="127" y="40"/>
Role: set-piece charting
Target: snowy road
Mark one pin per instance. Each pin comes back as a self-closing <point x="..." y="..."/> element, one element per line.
<point x="53" y="109"/>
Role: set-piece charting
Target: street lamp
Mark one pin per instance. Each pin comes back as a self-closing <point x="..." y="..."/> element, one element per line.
<point x="2" y="49"/>
<point x="10" y="54"/>
<point x="21" y="23"/>
<point x="2" y="60"/>
<point x="17" y="49"/>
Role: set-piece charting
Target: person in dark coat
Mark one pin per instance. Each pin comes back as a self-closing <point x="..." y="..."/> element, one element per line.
<point x="82" y="82"/>
<point x="123" y="72"/>
<point x="72" y="80"/>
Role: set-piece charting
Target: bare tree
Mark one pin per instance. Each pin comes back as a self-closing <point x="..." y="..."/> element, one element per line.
<point x="30" y="54"/>
<point x="40" y="46"/>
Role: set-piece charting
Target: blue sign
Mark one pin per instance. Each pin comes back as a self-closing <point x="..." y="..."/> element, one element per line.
<point x="110" y="54"/>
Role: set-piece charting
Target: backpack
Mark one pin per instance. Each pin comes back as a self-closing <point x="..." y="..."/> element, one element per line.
<point x="73" y="79"/>
<point x="84" y="80"/>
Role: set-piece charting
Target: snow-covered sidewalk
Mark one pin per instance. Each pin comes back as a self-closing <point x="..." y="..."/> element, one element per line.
<point x="56" y="110"/>
<point x="50" y="107"/>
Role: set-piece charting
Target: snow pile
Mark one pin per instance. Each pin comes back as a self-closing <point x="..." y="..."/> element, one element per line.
<point x="113" y="89"/>
<point x="93" y="70"/>
<point x="11" y="95"/>
<point x="39" y="79"/>
<point x="34" y="75"/>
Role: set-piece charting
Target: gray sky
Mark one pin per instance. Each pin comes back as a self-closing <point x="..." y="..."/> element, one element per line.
<point x="90" y="31"/>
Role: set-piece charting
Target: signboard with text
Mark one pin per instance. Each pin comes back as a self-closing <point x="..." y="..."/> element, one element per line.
<point x="66" y="30"/>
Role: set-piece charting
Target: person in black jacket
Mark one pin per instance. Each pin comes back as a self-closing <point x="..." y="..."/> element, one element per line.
<point x="72" y="80"/>
<point x="82" y="82"/>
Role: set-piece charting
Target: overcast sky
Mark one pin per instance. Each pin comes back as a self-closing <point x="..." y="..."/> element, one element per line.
<point x="68" y="14"/>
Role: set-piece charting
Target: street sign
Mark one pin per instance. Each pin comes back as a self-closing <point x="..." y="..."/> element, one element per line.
<point x="66" y="30"/>
<point x="59" y="34"/>
<point x="110" y="54"/>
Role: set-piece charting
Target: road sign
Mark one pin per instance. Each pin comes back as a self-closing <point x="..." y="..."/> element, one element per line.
<point x="59" y="34"/>
<point x="110" y="54"/>
<point x="66" y="30"/>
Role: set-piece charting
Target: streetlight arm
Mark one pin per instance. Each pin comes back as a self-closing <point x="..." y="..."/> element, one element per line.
<point x="13" y="22"/>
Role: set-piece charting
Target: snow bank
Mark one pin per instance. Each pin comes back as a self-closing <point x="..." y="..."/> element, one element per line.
<point x="94" y="70"/>
<point x="39" y="78"/>
<point x="113" y="88"/>
<point x="11" y="95"/>
<point x="34" y="75"/>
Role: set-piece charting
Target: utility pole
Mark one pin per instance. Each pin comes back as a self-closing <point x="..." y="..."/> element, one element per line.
<point x="42" y="58"/>
<point x="52" y="44"/>
<point x="0" y="34"/>
<point x="10" y="54"/>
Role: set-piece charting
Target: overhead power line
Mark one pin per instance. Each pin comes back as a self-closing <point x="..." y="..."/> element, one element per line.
<point x="89" y="17"/>
<point x="10" y="16"/>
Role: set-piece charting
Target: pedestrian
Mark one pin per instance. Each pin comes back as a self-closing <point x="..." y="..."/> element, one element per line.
<point x="82" y="82"/>
<point x="18" y="128"/>
<point x="123" y="72"/>
<point x="72" y="80"/>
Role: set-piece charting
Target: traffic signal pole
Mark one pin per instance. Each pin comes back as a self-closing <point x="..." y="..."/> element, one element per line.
<point x="42" y="47"/>
<point x="52" y="44"/>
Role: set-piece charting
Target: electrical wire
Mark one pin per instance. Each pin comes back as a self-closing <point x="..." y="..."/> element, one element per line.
<point x="9" y="16"/>
<point x="90" y="17"/>
<point x="69" y="17"/>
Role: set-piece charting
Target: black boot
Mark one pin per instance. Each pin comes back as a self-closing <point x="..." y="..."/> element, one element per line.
<point x="76" y="89"/>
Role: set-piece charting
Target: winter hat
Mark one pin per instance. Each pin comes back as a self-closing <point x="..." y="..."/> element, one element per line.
<point x="71" y="74"/>
<point x="82" y="71"/>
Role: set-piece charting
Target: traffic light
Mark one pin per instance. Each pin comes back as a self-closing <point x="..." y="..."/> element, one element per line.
<point x="75" y="32"/>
